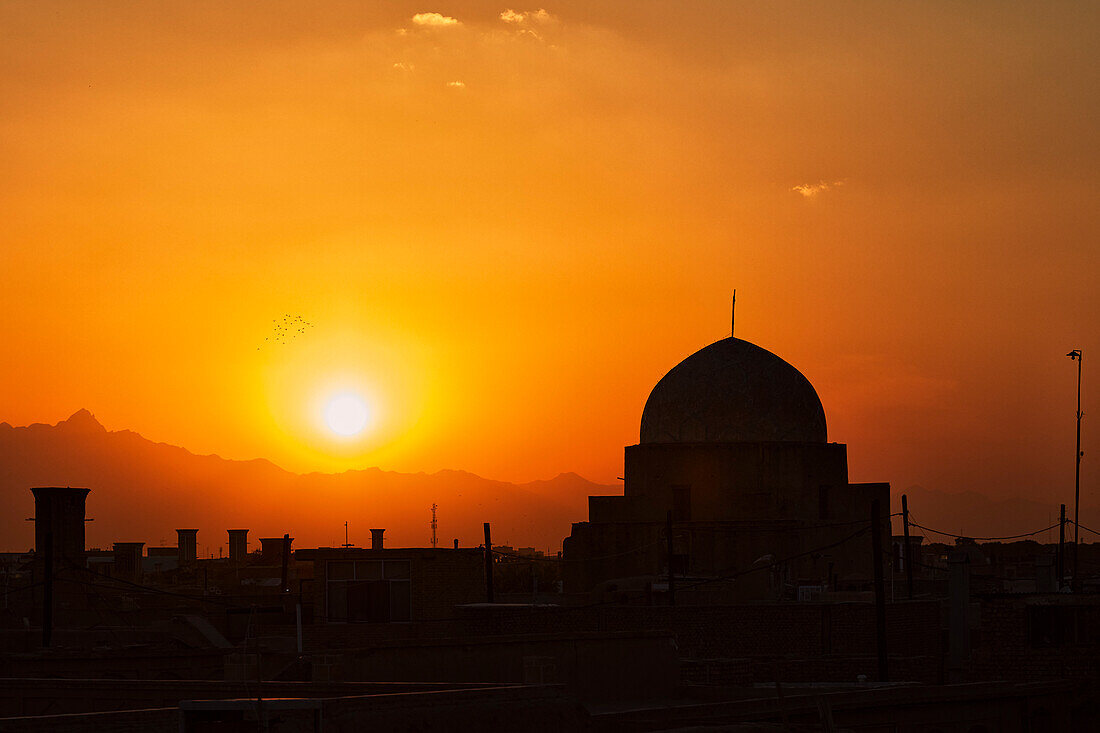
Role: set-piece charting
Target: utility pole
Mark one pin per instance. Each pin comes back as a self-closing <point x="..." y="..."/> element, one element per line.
<point x="488" y="565"/>
<point x="47" y="591"/>
<point x="958" y="624"/>
<point x="671" y="575"/>
<point x="880" y="592"/>
<point x="346" y="543"/>
<point x="435" y="524"/>
<point x="908" y="546"/>
<point x="1075" y="355"/>
<point x="285" y="585"/>
<point x="1060" y="566"/>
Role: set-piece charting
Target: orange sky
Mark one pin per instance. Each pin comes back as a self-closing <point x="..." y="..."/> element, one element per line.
<point x="507" y="227"/>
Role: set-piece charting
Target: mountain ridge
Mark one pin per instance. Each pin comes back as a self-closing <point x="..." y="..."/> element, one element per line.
<point x="142" y="490"/>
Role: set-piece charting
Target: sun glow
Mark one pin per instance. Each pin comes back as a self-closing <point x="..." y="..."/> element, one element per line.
<point x="346" y="414"/>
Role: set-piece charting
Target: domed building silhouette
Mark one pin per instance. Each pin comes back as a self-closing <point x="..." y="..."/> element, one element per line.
<point x="734" y="456"/>
<point x="733" y="392"/>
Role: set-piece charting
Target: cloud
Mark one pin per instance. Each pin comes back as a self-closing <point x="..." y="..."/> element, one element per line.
<point x="811" y="190"/>
<point x="403" y="66"/>
<point x="533" y="16"/>
<point x="457" y="84"/>
<point x="434" y="20"/>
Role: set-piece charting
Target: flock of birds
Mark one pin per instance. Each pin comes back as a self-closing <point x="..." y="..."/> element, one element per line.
<point x="286" y="330"/>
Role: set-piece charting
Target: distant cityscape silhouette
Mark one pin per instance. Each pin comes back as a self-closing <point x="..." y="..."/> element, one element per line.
<point x="378" y="367"/>
<point x="737" y="556"/>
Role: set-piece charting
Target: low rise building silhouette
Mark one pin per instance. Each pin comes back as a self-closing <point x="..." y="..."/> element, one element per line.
<point x="187" y="544"/>
<point x="238" y="545"/>
<point x="734" y="503"/>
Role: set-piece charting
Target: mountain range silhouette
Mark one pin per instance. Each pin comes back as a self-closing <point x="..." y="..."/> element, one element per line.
<point x="143" y="491"/>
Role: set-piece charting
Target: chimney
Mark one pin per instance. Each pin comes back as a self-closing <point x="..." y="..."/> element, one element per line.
<point x="238" y="545"/>
<point x="128" y="561"/>
<point x="271" y="550"/>
<point x="187" y="545"/>
<point x="59" y="532"/>
<point x="59" y="511"/>
<point x="376" y="539"/>
<point x="456" y="544"/>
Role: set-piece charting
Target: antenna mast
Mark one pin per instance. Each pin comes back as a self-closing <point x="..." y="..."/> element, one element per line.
<point x="733" y="306"/>
<point x="435" y="524"/>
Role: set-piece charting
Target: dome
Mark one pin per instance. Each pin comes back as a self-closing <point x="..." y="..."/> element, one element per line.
<point x="731" y="392"/>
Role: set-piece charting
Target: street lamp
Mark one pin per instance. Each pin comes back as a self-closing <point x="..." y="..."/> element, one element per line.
<point x="1075" y="355"/>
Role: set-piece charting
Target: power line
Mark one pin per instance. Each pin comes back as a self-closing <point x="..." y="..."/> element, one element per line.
<point x="143" y="588"/>
<point x="713" y="530"/>
<point x="975" y="575"/>
<point x="728" y="576"/>
<point x="1083" y="527"/>
<point x="785" y="560"/>
<point x="982" y="539"/>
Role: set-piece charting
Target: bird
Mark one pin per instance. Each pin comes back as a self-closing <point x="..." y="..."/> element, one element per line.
<point x="288" y="328"/>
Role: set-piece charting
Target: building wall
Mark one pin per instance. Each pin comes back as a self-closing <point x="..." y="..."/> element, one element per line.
<point x="734" y="506"/>
<point x="597" y="555"/>
<point x="145" y="664"/>
<point x="439" y="579"/>
<point x="492" y="710"/>
<point x="737" y="481"/>
<point x="592" y="665"/>
<point x="1040" y="636"/>
<point x="800" y="642"/>
<point x="739" y="630"/>
<point x="987" y="708"/>
<point x="506" y="708"/>
<point x="32" y="697"/>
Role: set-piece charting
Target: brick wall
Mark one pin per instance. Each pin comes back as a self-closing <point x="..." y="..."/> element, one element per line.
<point x="1004" y="648"/>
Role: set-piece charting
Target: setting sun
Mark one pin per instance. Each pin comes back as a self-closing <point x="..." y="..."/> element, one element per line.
<point x="346" y="414"/>
<point x="374" y="348"/>
<point x="496" y="229"/>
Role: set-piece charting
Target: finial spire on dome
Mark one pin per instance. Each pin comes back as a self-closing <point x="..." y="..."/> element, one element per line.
<point x="733" y="306"/>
